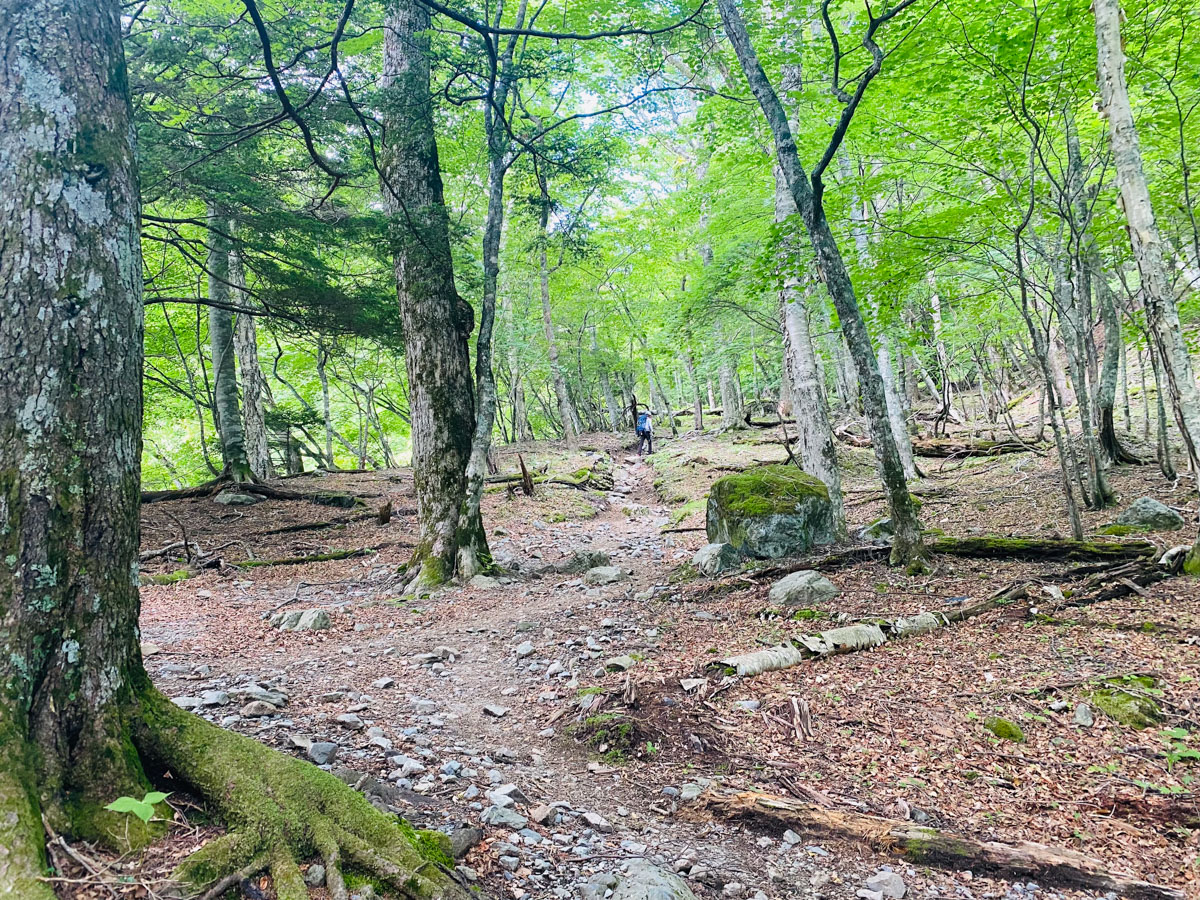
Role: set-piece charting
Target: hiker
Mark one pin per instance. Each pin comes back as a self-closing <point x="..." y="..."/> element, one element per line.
<point x="645" y="432"/>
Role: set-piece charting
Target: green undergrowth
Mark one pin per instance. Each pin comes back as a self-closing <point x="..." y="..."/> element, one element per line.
<point x="1129" y="700"/>
<point x="612" y="735"/>
<point x="167" y="577"/>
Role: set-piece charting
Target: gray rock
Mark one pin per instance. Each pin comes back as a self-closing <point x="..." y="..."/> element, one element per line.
<point x="323" y="752"/>
<point x="770" y="511"/>
<point x="712" y="559"/>
<point x="579" y="562"/>
<point x="888" y="884"/>
<point x="645" y="881"/>
<point x="301" y="620"/>
<point x="257" y="708"/>
<point x="484" y="583"/>
<point x="598" y="822"/>
<point x="462" y="839"/>
<point x="693" y="789"/>
<point x="601" y="575"/>
<point x="511" y="863"/>
<point x="315" y="876"/>
<point x="350" y="720"/>
<point x="383" y="683"/>
<point x="878" y="532"/>
<point x="232" y="498"/>
<point x="1148" y="514"/>
<point x="524" y="649"/>
<point x="503" y="818"/>
<point x="1083" y="716"/>
<point x="620" y="663"/>
<point x="187" y="702"/>
<point x="803" y="588"/>
<point x="214" y="698"/>
<point x="495" y="711"/>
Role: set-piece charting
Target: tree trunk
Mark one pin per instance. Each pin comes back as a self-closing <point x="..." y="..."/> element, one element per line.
<point x="471" y="561"/>
<point x="220" y="337"/>
<point x="437" y="322"/>
<point x="810" y="409"/>
<point x="906" y="545"/>
<point x="326" y="412"/>
<point x="256" y="393"/>
<point x="565" y="410"/>
<point x="689" y="365"/>
<point x="731" y="410"/>
<point x="1162" y="314"/>
<point x="610" y="399"/>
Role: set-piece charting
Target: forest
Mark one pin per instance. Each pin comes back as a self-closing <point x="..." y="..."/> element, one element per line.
<point x="660" y="450"/>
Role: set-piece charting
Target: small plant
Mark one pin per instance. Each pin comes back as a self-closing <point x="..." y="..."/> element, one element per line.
<point x="143" y="809"/>
<point x="651" y="749"/>
<point x="1177" y="748"/>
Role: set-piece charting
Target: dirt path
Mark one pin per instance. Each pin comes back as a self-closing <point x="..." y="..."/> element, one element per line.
<point x="447" y="701"/>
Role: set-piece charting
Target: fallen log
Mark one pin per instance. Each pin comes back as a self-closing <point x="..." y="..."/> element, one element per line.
<point x="1056" y="865"/>
<point x="300" y="560"/>
<point x="1041" y="548"/>
<point x="949" y="447"/>
<point x="863" y="636"/>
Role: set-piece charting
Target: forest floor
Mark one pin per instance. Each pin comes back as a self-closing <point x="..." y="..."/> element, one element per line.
<point x="509" y="682"/>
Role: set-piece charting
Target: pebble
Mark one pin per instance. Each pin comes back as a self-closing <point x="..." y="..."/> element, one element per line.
<point x="346" y="720"/>
<point x="1083" y="716"/>
<point x="524" y="649"/>
<point x="887" y="884"/>
<point x="257" y="709"/>
<point x="495" y="711"/>
<point x="315" y="876"/>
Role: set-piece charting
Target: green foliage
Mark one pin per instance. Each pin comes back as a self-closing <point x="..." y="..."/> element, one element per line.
<point x="143" y="809"/>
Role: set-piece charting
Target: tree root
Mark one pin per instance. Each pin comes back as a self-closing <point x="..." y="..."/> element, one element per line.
<point x="280" y="811"/>
<point x="1051" y="865"/>
<point x="300" y="560"/>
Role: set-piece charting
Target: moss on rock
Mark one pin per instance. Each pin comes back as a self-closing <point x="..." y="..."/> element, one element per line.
<point x="1134" y="710"/>
<point x="770" y="511"/>
<point x="1005" y="729"/>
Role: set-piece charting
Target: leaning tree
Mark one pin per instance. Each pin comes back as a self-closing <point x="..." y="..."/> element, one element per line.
<point x="80" y="722"/>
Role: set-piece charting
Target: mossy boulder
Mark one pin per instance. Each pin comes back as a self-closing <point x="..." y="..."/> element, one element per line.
<point x="1135" y="710"/>
<point x="1148" y="514"/>
<point x="1005" y="729"/>
<point x="769" y="512"/>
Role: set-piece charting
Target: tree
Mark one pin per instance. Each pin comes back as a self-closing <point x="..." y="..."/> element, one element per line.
<point x="807" y="195"/>
<point x="80" y="721"/>
<point x="437" y="321"/>
<point x="226" y="410"/>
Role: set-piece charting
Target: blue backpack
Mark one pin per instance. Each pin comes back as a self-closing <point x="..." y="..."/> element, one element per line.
<point x="643" y="421"/>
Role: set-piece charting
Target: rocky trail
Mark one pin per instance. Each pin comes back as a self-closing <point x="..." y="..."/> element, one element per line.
<point x="551" y="722"/>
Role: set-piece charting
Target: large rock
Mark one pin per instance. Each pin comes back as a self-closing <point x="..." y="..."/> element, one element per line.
<point x="603" y="575"/>
<point x="301" y="620"/>
<point x="804" y="588"/>
<point x="712" y="559"/>
<point x="770" y="511"/>
<point x="233" y="498"/>
<point x="645" y="881"/>
<point x="1148" y="514"/>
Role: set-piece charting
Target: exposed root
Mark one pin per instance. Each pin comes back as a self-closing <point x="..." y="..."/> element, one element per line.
<point x="281" y="811"/>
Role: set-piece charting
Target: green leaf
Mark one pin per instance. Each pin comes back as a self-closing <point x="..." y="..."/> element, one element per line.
<point x="139" y="808"/>
<point x="155" y="797"/>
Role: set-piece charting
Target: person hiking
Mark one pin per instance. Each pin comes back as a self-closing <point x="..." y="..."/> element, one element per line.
<point x="645" y="431"/>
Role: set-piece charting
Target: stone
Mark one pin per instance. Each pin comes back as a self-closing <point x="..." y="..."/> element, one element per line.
<point x="803" y="588"/>
<point x="543" y="814"/>
<point x="383" y="683"/>
<point x="187" y="702"/>
<point x="406" y="766"/>
<point x="692" y="790"/>
<point x="878" y="532"/>
<point x="733" y="890"/>
<point x="620" y="663"/>
<point x="463" y="838"/>
<point x="1135" y="710"/>
<point x="511" y="863"/>
<point x="323" y="752"/>
<point x="1083" y="716"/>
<point x="257" y="708"/>
<point x="503" y="817"/>
<point x="524" y="649"/>
<point x="301" y="620"/>
<point x="769" y="512"/>
<point x="214" y="698"/>
<point x="233" y="498"/>
<point x="1004" y="729"/>
<point x="579" y="562"/>
<point x="712" y="559"/>
<point x="349" y="720"/>
<point x="315" y="876"/>
<point x="495" y="711"/>
<point x="484" y="582"/>
<point x="889" y="884"/>
<point x="601" y="575"/>
<point x="598" y="822"/>
<point x="1148" y="514"/>
<point x="645" y="881"/>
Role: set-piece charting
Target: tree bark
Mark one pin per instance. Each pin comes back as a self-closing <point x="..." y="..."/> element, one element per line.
<point x="1162" y="314"/>
<point x="906" y="546"/>
<point x="226" y="410"/>
<point x="731" y="408"/>
<point x="610" y="399"/>
<point x="437" y="321"/>
<point x="818" y="454"/>
<point x="256" y="393"/>
<point x="566" y="410"/>
<point x="326" y="411"/>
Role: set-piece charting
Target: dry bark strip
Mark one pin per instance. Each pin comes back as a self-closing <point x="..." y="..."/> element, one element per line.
<point x="930" y="845"/>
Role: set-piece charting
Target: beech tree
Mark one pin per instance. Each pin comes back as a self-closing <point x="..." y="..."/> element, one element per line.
<point x="80" y="722"/>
